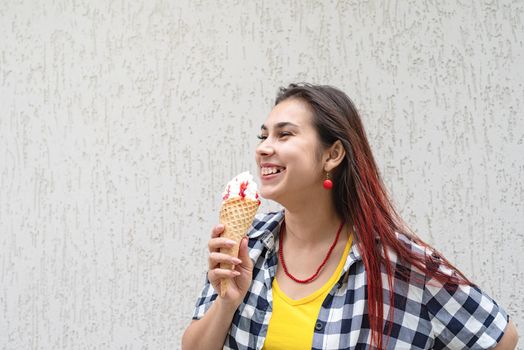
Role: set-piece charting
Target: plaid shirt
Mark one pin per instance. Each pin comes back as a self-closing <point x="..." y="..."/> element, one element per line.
<point x="426" y="315"/>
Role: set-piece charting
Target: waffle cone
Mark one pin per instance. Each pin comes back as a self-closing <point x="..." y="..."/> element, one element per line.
<point x="236" y="214"/>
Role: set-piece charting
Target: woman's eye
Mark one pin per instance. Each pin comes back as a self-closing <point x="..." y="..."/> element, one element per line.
<point x="280" y="135"/>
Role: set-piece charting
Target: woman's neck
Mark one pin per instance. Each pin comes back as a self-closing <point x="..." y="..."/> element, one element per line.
<point x="311" y="225"/>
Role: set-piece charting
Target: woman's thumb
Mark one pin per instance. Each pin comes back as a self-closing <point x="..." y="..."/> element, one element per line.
<point x="243" y="254"/>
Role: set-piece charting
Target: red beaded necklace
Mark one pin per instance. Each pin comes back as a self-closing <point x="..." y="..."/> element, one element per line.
<point x="314" y="277"/>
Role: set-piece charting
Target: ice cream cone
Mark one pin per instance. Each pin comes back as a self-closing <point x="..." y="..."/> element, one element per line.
<point x="236" y="214"/>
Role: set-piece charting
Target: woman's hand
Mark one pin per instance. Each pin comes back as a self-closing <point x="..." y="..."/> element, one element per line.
<point x="210" y="331"/>
<point x="239" y="278"/>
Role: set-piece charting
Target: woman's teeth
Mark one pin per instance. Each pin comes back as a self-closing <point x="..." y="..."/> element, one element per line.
<point x="269" y="171"/>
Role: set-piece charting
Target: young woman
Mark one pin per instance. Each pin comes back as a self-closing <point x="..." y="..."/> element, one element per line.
<point x="337" y="268"/>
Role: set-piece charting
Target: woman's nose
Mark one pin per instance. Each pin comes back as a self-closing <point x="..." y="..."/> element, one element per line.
<point x="265" y="148"/>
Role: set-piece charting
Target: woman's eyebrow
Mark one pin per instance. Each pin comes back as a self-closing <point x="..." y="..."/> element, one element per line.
<point x="279" y="125"/>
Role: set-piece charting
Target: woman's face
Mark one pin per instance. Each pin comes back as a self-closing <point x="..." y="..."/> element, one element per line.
<point x="289" y="156"/>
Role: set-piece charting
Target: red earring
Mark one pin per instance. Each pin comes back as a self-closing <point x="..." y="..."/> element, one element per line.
<point x="328" y="184"/>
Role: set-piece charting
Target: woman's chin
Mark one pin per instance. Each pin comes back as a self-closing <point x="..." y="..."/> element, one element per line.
<point x="265" y="194"/>
<point x="269" y="194"/>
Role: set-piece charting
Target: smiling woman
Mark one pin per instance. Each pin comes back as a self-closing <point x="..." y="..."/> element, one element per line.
<point x="337" y="268"/>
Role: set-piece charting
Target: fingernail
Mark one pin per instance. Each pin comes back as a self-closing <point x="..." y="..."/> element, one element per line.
<point x="220" y="226"/>
<point x="236" y="261"/>
<point x="236" y="273"/>
<point x="231" y="242"/>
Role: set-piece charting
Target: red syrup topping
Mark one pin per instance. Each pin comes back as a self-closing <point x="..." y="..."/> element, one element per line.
<point x="226" y="196"/>
<point x="243" y="187"/>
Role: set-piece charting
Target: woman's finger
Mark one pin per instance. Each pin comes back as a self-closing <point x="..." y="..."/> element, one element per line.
<point x="243" y="255"/>
<point x="216" y="259"/>
<point x="217" y="230"/>
<point x="218" y="274"/>
<point x="215" y="244"/>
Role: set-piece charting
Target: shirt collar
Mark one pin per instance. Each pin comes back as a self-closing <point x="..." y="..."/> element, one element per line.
<point x="266" y="228"/>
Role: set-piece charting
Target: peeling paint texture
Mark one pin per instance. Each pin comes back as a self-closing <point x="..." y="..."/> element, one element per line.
<point x="121" y="121"/>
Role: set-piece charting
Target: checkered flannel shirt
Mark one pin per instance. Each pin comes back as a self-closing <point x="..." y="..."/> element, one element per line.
<point x="426" y="315"/>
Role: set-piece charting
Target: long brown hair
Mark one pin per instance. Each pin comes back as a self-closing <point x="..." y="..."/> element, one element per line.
<point x="361" y="200"/>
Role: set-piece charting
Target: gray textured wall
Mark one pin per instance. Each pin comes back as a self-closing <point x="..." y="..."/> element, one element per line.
<point x="121" y="121"/>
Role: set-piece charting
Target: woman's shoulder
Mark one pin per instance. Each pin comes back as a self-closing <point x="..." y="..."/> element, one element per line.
<point x="413" y="243"/>
<point x="407" y="242"/>
<point x="426" y="255"/>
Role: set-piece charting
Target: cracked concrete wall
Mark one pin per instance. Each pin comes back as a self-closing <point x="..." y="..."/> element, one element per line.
<point x="121" y="121"/>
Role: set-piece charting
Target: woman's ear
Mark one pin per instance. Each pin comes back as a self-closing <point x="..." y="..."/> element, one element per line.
<point x="334" y="156"/>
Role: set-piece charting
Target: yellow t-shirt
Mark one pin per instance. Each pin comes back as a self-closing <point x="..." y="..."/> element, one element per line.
<point x="293" y="321"/>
